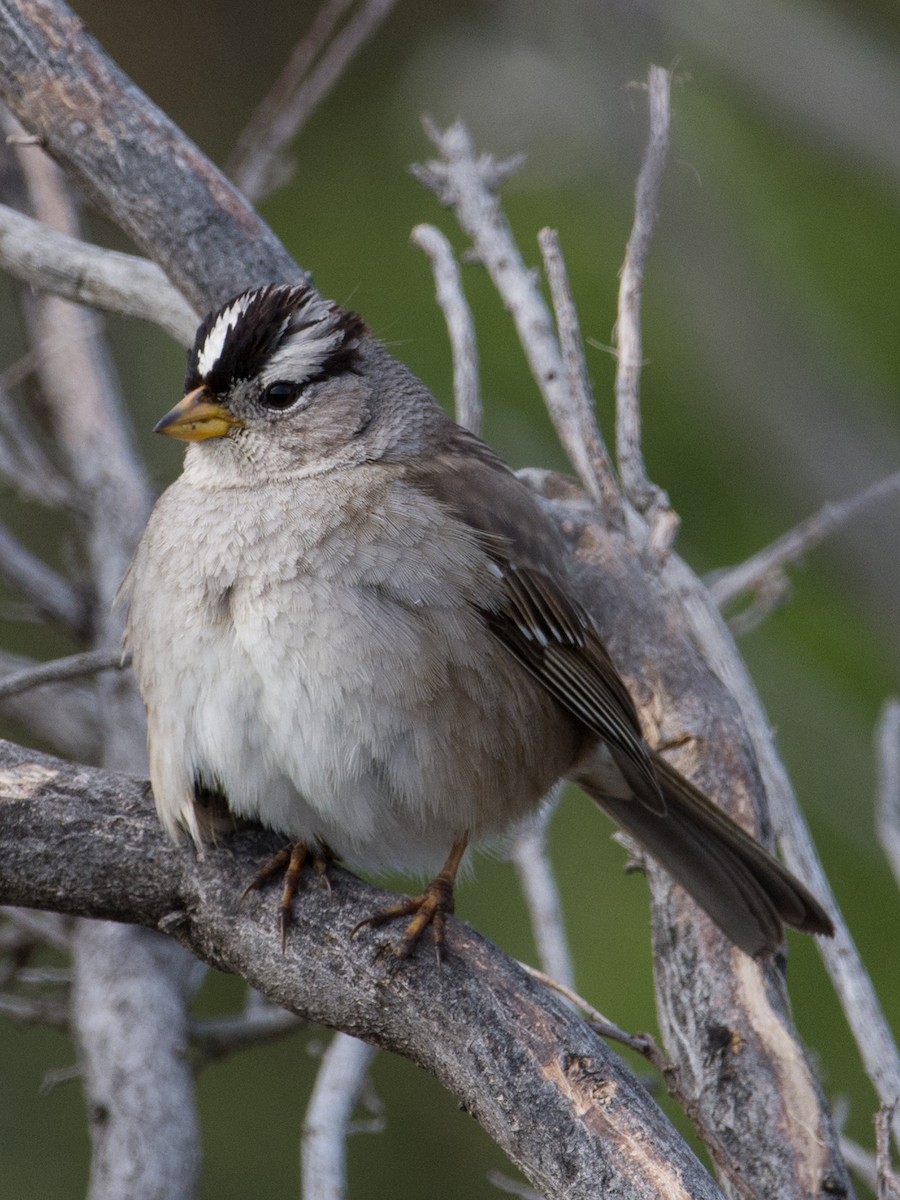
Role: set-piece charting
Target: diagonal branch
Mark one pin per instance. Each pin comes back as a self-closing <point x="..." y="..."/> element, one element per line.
<point x="105" y="279"/>
<point x="753" y="575"/>
<point x="51" y="595"/>
<point x="156" y="185"/>
<point x="887" y="738"/>
<point x="60" y="669"/>
<point x="318" y="61"/>
<point x="87" y="842"/>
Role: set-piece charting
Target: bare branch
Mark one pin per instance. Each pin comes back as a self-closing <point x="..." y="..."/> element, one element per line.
<point x="888" y="746"/>
<point x="103" y="854"/>
<point x="645" y="1045"/>
<point x="468" y="186"/>
<point x="62" y="716"/>
<point x="215" y="1037"/>
<point x="129" y="994"/>
<point x="576" y="369"/>
<point x="49" y="593"/>
<point x="338" y="980"/>
<point x="512" y="1187"/>
<point x="460" y="327"/>
<point x="312" y="71"/>
<point x="663" y="632"/>
<point x="73" y="667"/>
<point x="645" y="496"/>
<point x="130" y="987"/>
<point x="639" y="1042"/>
<point x="860" y="1161"/>
<point x="848" y="974"/>
<point x="888" y="1180"/>
<point x="68" y="267"/>
<point x="39" y="1010"/>
<point x="156" y="185"/>
<point x="339" y="1085"/>
<point x="48" y="927"/>
<point x="22" y="460"/>
<point x="538" y="884"/>
<point x="759" y="571"/>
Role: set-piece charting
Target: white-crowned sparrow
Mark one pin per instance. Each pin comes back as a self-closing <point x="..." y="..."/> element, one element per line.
<point x="350" y="621"/>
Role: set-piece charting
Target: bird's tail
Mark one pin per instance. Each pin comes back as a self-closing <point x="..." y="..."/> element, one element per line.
<point x="746" y="891"/>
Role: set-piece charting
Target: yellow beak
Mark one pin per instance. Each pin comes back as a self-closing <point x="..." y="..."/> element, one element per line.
<point x="196" y="418"/>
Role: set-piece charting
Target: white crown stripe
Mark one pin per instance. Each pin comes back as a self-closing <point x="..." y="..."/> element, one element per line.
<point x="214" y="344"/>
<point x="303" y="352"/>
<point x="302" y="355"/>
<point x="305" y="340"/>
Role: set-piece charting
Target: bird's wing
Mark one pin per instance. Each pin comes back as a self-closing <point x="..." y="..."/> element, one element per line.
<point x="537" y="618"/>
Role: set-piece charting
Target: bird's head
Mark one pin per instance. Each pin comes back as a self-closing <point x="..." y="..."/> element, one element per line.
<point x="274" y="375"/>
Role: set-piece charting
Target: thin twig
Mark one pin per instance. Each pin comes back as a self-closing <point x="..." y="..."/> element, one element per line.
<point x="51" y="595"/>
<point x="755" y="573"/>
<point x="51" y="928"/>
<point x="66" y="266"/>
<point x="44" y="977"/>
<point x="257" y="166"/>
<point x="644" y="495"/>
<point x="887" y="739"/>
<point x="339" y="1085"/>
<point x="860" y="1161"/>
<point x="64" y="716"/>
<point x="538" y="884"/>
<point x="572" y="346"/>
<point x="40" y="1011"/>
<point x="460" y="326"/>
<point x="469" y="186"/>
<point x="215" y="1037"/>
<point x="888" y="1180"/>
<point x="59" y="669"/>
<point x="22" y="460"/>
<point x="641" y="1043"/>
<point x="512" y="1187"/>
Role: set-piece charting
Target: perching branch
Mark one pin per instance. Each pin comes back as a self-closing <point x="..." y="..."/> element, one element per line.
<point x="87" y="842"/>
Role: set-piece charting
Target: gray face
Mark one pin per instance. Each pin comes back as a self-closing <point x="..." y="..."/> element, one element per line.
<point x="274" y="382"/>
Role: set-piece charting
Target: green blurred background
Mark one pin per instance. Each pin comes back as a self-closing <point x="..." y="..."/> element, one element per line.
<point x="771" y="321"/>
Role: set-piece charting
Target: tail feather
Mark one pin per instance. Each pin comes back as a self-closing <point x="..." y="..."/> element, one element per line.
<point x="746" y="891"/>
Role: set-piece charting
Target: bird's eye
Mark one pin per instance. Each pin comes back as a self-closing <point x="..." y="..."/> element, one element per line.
<point x="279" y="396"/>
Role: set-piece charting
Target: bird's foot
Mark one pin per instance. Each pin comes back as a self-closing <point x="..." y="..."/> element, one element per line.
<point x="431" y="907"/>
<point x="290" y="860"/>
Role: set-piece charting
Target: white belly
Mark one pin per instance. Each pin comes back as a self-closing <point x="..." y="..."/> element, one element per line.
<point x="304" y="698"/>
